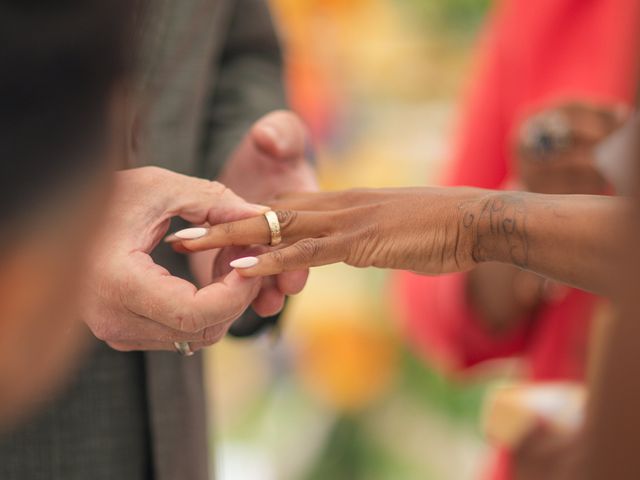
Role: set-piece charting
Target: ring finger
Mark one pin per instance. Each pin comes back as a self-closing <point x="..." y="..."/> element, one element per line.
<point x="294" y="226"/>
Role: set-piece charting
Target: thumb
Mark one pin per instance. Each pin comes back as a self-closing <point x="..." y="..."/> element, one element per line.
<point x="281" y="135"/>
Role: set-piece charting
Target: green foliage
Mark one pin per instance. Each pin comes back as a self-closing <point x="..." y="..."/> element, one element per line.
<point x="454" y="15"/>
<point x="459" y="401"/>
<point x="351" y="454"/>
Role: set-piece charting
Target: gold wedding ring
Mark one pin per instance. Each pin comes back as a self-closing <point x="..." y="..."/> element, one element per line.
<point x="183" y="348"/>
<point x="274" y="227"/>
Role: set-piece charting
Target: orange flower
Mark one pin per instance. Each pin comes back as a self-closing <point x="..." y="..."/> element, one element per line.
<point x="346" y="365"/>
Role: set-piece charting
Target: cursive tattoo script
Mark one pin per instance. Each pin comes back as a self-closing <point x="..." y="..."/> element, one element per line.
<point x="498" y="227"/>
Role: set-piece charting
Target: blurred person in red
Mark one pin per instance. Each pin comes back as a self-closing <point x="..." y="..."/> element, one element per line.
<point x="555" y="78"/>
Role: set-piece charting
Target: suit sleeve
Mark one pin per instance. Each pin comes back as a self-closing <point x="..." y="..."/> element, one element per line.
<point x="249" y="83"/>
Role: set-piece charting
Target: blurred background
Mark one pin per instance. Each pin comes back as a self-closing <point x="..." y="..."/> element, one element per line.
<point x="336" y="394"/>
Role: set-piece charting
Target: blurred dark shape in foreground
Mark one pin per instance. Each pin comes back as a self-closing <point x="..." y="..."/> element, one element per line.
<point x="63" y="64"/>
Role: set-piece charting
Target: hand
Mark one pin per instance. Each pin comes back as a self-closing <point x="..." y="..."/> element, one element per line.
<point x="546" y="453"/>
<point x="420" y="229"/>
<point x="134" y="304"/>
<point x="506" y="297"/>
<point x="270" y="161"/>
<point x="555" y="147"/>
<point x="569" y="238"/>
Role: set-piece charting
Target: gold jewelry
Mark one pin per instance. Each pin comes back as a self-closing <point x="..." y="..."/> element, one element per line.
<point x="183" y="348"/>
<point x="274" y="227"/>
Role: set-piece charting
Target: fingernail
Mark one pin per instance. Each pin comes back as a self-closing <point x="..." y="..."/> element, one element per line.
<point x="271" y="132"/>
<point x="276" y="137"/>
<point x="244" y="262"/>
<point x="191" y="233"/>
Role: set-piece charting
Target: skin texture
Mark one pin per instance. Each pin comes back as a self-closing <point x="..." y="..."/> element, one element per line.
<point x="131" y="302"/>
<point x="569" y="238"/>
<point x="134" y="304"/>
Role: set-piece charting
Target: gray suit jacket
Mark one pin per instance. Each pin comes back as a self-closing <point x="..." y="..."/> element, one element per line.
<point x="210" y="68"/>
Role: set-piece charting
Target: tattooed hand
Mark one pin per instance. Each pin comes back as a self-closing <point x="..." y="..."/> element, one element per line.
<point x="570" y="238"/>
<point x="499" y="229"/>
<point x="427" y="230"/>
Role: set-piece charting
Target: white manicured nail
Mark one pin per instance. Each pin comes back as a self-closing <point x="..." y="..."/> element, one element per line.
<point x="191" y="233"/>
<point x="244" y="262"/>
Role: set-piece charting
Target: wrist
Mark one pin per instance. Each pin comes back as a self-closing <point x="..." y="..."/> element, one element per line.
<point x="494" y="224"/>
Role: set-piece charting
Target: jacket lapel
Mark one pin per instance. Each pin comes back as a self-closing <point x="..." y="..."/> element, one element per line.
<point x="183" y="47"/>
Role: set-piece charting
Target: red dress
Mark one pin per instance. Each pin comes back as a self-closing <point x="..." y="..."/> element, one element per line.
<point x="534" y="53"/>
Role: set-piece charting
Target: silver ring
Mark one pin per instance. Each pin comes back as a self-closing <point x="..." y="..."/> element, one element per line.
<point x="183" y="348"/>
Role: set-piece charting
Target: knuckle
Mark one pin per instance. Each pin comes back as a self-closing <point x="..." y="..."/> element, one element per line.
<point x="203" y="188"/>
<point x="216" y="188"/>
<point x="278" y="258"/>
<point x="219" y="191"/>
<point x="202" y="325"/>
<point x="150" y="174"/>
<point x="364" y="246"/>
<point x="103" y="331"/>
<point x="189" y="322"/>
<point x="228" y="228"/>
<point x="286" y="218"/>
<point x="308" y="249"/>
<point x="371" y="231"/>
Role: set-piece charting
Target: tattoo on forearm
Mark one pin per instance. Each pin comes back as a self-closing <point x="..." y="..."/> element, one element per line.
<point x="498" y="228"/>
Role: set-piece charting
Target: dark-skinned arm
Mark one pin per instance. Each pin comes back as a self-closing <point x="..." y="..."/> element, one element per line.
<point x="573" y="239"/>
<point x="569" y="238"/>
